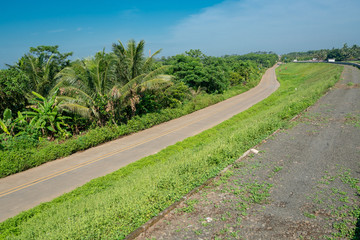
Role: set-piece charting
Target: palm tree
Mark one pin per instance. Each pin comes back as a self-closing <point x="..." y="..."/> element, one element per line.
<point x="39" y="71"/>
<point x="131" y="61"/>
<point x="135" y="74"/>
<point x="130" y="93"/>
<point x="85" y="86"/>
<point x="92" y="87"/>
<point x="40" y="66"/>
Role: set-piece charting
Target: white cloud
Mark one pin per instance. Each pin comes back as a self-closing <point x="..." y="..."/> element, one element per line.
<point x="278" y="25"/>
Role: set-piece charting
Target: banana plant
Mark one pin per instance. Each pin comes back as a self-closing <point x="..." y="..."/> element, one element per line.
<point x="45" y="116"/>
<point x="5" y="123"/>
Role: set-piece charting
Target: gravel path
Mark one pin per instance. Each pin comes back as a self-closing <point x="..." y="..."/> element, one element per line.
<point x="303" y="184"/>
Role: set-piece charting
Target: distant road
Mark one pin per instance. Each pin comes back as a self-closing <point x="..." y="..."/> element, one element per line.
<point x="27" y="189"/>
<point x="342" y="63"/>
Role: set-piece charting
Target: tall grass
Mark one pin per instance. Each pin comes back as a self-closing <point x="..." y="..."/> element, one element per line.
<point x="112" y="206"/>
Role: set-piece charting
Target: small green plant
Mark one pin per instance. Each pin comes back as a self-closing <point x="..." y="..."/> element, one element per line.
<point x="277" y="169"/>
<point x="189" y="206"/>
<point x="309" y="215"/>
<point x="353" y="119"/>
<point x="235" y="234"/>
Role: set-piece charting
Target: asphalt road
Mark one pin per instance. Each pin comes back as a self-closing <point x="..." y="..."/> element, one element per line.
<point x="27" y="189"/>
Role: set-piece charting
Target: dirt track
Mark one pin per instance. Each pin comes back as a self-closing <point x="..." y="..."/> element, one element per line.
<point x="303" y="184"/>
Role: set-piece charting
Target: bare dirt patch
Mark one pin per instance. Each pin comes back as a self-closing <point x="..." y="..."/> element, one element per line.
<point x="303" y="184"/>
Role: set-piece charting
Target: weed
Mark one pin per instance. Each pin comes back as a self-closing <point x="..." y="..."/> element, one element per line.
<point x="353" y="119"/>
<point x="239" y="165"/>
<point x="309" y="215"/>
<point x="189" y="206"/>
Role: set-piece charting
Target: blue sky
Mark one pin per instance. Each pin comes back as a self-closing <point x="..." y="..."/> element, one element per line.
<point x="214" y="26"/>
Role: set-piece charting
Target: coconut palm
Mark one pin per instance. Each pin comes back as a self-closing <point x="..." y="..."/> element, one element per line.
<point x="130" y="93"/>
<point x="135" y="74"/>
<point x="85" y="86"/>
<point x="38" y="71"/>
<point x="40" y="66"/>
<point x="91" y="87"/>
<point x="131" y="61"/>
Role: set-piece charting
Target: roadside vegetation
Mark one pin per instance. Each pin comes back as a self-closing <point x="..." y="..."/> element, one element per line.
<point x="346" y="53"/>
<point x="51" y="107"/>
<point x="113" y="206"/>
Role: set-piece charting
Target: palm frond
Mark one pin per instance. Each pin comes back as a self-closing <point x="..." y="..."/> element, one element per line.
<point x="79" y="93"/>
<point x="158" y="83"/>
<point x="115" y="91"/>
<point x="137" y="57"/>
<point x="76" y="108"/>
<point x="150" y="60"/>
<point x="68" y="99"/>
<point x="119" y="49"/>
<point x="156" y="72"/>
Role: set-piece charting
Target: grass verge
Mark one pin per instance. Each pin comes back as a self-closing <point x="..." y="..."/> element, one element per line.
<point x="112" y="206"/>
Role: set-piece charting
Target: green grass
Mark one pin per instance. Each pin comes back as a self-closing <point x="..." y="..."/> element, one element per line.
<point x="113" y="206"/>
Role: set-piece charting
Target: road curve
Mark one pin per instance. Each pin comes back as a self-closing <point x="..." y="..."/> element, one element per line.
<point x="27" y="189"/>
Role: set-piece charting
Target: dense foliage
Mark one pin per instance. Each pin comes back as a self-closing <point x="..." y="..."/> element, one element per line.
<point x="217" y="74"/>
<point x="345" y="53"/>
<point x="113" y="206"/>
<point x="13" y="84"/>
<point x="51" y="98"/>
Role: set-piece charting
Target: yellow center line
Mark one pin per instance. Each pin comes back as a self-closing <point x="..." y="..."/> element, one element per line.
<point x="39" y="180"/>
<point x="50" y="176"/>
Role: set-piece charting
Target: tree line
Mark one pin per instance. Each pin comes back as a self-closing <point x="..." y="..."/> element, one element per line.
<point x="345" y="53"/>
<point x="45" y="95"/>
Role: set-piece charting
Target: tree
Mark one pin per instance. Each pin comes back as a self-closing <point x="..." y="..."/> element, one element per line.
<point x="130" y="93"/>
<point x="85" y="87"/>
<point x="41" y="65"/>
<point x="131" y="61"/>
<point x="336" y="53"/>
<point x="13" y="87"/>
<point x="207" y="73"/>
<point x="195" y="53"/>
<point x="355" y="52"/>
<point x="136" y="74"/>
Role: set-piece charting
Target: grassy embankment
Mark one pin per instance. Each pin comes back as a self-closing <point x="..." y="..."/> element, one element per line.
<point x="111" y="207"/>
<point x="17" y="160"/>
